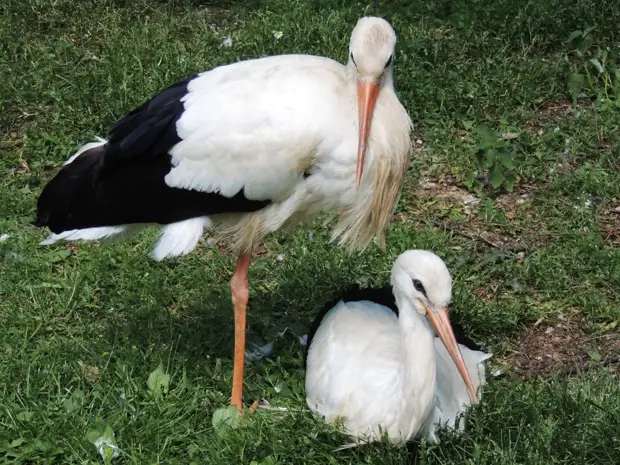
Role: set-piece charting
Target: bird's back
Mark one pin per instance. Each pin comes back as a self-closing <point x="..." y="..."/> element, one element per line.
<point x="354" y="367"/>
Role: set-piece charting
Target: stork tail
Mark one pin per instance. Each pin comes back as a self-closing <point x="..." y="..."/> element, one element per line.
<point x="80" y="203"/>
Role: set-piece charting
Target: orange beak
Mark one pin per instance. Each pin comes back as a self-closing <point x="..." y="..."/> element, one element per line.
<point x="367" y="93"/>
<point x="441" y="322"/>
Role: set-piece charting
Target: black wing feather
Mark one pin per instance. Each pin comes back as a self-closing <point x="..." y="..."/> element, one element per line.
<point x="152" y="126"/>
<point x="123" y="181"/>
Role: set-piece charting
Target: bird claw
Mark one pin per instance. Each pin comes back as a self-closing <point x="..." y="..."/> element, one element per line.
<point x="250" y="405"/>
<point x="253" y="407"/>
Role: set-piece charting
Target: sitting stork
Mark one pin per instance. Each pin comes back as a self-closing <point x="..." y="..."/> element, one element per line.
<point x="387" y="360"/>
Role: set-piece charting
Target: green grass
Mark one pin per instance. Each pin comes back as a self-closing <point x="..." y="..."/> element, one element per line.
<point x="82" y="329"/>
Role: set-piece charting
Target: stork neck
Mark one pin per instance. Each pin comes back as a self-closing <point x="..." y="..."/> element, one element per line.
<point x="409" y="318"/>
<point x="351" y="74"/>
<point x="418" y="356"/>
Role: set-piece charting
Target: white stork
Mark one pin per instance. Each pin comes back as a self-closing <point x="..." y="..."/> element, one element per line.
<point x="243" y="150"/>
<point x="373" y="361"/>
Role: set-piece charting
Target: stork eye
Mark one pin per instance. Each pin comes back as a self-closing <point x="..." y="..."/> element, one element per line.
<point x="389" y="62"/>
<point x="353" y="60"/>
<point x="419" y="286"/>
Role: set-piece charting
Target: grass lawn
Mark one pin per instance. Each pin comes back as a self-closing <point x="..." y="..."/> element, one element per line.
<point x="531" y="234"/>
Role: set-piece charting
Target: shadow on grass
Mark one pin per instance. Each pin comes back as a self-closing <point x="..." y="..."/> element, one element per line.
<point x="205" y="325"/>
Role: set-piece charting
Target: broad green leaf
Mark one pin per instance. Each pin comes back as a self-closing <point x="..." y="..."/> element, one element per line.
<point x="94" y="434"/>
<point x="74" y="402"/>
<point x="470" y="178"/>
<point x="597" y="64"/>
<point x="158" y="382"/>
<point x="490" y="157"/>
<point x="575" y="83"/>
<point x="17" y="442"/>
<point x="467" y="124"/>
<point x="587" y="30"/>
<point x="506" y="158"/>
<point x="488" y="138"/>
<point x="509" y="182"/>
<point x="56" y="255"/>
<point x="224" y="419"/>
<point x="269" y="460"/>
<point x="42" y="445"/>
<point x="497" y="175"/>
<point x="573" y="36"/>
<point x="25" y="415"/>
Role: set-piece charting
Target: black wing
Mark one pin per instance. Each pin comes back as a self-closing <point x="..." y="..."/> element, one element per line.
<point x="123" y="181"/>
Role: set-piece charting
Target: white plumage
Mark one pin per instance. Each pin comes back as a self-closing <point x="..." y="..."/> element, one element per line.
<point x="243" y="150"/>
<point x="451" y="395"/>
<point x="229" y="143"/>
<point x="382" y="373"/>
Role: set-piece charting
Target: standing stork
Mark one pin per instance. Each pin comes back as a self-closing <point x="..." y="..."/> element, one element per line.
<point x="243" y="150"/>
<point x="388" y="360"/>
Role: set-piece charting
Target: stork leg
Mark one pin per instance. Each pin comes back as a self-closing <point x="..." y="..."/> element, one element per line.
<point x="240" y="296"/>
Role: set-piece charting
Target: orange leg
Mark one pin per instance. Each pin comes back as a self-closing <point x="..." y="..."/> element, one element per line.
<point x="240" y="296"/>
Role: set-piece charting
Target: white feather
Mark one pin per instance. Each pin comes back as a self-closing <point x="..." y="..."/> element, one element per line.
<point x="356" y="372"/>
<point x="230" y="143"/>
<point x="88" y="234"/>
<point x="176" y="239"/>
<point x="85" y="147"/>
<point x="452" y="398"/>
<point x="180" y="238"/>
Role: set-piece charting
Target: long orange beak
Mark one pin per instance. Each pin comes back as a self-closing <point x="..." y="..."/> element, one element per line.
<point x="367" y="93"/>
<point x="441" y="322"/>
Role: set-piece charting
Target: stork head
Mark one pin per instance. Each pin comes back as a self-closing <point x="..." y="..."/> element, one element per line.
<point x="423" y="280"/>
<point x="371" y="53"/>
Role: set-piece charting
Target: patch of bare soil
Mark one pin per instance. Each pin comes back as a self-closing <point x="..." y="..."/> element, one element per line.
<point x="454" y="208"/>
<point x="442" y="187"/>
<point x="610" y="223"/>
<point x="89" y="372"/>
<point x="564" y="344"/>
<point x="557" y="110"/>
<point x="519" y="199"/>
<point x="553" y="111"/>
<point x="446" y="194"/>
